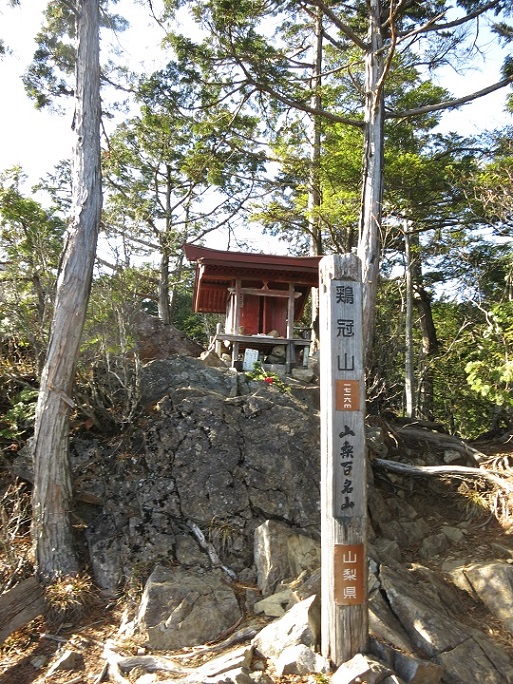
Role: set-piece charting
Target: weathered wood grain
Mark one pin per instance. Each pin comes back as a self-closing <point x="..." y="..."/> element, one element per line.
<point x="19" y="606"/>
<point x="344" y="614"/>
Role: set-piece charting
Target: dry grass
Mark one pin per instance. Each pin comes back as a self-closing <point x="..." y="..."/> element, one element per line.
<point x="17" y="559"/>
<point x="69" y="598"/>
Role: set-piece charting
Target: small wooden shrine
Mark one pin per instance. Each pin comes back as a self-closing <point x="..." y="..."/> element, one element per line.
<point x="261" y="295"/>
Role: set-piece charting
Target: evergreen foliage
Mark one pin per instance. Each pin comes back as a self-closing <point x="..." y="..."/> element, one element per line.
<point x="221" y="138"/>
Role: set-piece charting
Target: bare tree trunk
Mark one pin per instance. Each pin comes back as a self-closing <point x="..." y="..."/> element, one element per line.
<point x="409" y="383"/>
<point x="164" y="307"/>
<point x="429" y="349"/>
<point x="19" y="606"/>
<point x="372" y="190"/>
<point x="314" y="184"/>
<point x="52" y="530"/>
<point x="173" y="293"/>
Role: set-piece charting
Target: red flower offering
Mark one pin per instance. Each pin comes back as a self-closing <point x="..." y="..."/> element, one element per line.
<point x="269" y="380"/>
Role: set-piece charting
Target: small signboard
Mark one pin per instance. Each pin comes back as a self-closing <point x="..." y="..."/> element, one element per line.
<point x="350" y="574"/>
<point x="250" y="358"/>
<point x="347" y="395"/>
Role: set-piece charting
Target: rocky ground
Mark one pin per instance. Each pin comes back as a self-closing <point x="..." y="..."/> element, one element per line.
<point x="28" y="654"/>
<point x="431" y="533"/>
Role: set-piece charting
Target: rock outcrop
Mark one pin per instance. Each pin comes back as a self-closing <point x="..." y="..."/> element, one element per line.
<point x="156" y="340"/>
<point x="216" y="452"/>
<point x="213" y="496"/>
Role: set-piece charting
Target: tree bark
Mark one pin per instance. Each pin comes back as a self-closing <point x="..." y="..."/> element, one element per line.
<point x="52" y="530"/>
<point x="372" y="187"/>
<point x="165" y="238"/>
<point x="19" y="606"/>
<point x="173" y="292"/>
<point x="425" y="401"/>
<point x="409" y="372"/>
<point x="314" y="184"/>
<point x="163" y="301"/>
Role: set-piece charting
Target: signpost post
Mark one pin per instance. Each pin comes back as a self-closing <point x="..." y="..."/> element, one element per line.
<point x="344" y="618"/>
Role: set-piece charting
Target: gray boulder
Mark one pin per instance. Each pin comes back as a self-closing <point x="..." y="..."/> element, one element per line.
<point x="184" y="607"/>
<point x="281" y="554"/>
<point x="158" y="340"/>
<point x="428" y="609"/>
<point x="300" y="660"/>
<point x="361" y="668"/>
<point x="493" y="583"/>
<point x="299" y="626"/>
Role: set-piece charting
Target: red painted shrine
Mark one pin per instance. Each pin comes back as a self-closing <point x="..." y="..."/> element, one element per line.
<point x="261" y="295"/>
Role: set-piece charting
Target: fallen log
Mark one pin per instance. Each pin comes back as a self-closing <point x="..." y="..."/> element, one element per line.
<point x="415" y="431"/>
<point x="245" y="634"/>
<point x="150" y="663"/>
<point x="496" y="477"/>
<point x="114" y="671"/>
<point x="19" y="606"/>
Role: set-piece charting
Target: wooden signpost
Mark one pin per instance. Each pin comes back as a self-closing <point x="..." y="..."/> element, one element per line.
<point x="344" y="618"/>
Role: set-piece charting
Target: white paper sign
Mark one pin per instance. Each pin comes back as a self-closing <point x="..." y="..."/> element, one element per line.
<point x="250" y="357"/>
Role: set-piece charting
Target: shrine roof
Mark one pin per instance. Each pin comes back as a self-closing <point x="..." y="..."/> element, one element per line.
<point x="251" y="261"/>
<point x="216" y="269"/>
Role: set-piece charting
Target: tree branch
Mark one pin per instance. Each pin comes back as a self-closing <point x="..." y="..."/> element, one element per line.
<point x="391" y="51"/>
<point x="433" y="26"/>
<point x="450" y="103"/>
<point x="344" y="28"/>
<point x="295" y="104"/>
<point x="496" y="477"/>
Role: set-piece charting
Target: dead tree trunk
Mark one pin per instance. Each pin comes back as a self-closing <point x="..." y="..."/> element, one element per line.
<point x="370" y="221"/>
<point x="19" y="606"/>
<point x="409" y="372"/>
<point x="314" y="183"/>
<point x="52" y="531"/>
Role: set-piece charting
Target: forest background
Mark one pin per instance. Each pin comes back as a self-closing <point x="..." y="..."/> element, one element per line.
<point x="260" y="119"/>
